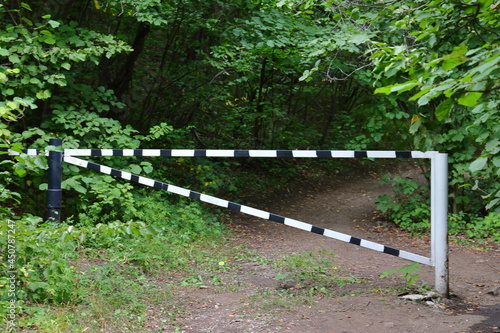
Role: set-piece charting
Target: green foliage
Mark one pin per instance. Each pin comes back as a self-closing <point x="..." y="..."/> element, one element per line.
<point x="154" y="12"/>
<point x="409" y="206"/>
<point x="87" y="192"/>
<point x="408" y="272"/>
<point x="12" y="173"/>
<point x="490" y="226"/>
<point x="8" y="197"/>
<point x="441" y="78"/>
<point x="44" y="69"/>
<point x="37" y="57"/>
<point x="43" y="272"/>
<point x="475" y="227"/>
<point x="267" y="43"/>
<point x="453" y="73"/>
<point x="282" y="74"/>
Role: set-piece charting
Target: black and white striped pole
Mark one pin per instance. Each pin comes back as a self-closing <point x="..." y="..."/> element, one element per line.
<point x="54" y="191"/>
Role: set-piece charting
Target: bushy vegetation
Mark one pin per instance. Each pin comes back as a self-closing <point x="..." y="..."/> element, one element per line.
<point x="105" y="269"/>
<point x="409" y="207"/>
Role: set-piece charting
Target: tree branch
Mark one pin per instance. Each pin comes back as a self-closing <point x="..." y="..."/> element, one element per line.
<point x="10" y="13"/>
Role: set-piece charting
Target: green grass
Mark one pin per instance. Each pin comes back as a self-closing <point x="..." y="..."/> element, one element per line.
<point x="314" y="272"/>
<point x="116" y="300"/>
<point x="302" y="278"/>
<point x="117" y="292"/>
<point x="130" y="277"/>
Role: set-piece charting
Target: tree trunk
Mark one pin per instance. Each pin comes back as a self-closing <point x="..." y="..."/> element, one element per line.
<point x="122" y="79"/>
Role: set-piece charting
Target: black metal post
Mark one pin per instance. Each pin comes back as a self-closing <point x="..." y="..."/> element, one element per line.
<point x="54" y="191"/>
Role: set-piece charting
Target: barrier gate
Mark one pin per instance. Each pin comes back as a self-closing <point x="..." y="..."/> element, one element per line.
<point x="439" y="191"/>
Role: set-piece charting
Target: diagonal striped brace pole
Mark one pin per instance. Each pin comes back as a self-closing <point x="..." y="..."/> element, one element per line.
<point x="247" y="210"/>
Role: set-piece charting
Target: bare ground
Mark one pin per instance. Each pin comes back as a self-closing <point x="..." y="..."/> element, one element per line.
<point x="248" y="298"/>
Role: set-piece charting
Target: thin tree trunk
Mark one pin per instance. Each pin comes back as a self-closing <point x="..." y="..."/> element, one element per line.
<point x="121" y="83"/>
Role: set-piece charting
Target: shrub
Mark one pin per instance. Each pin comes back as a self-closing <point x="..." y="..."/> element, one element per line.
<point x="408" y="207"/>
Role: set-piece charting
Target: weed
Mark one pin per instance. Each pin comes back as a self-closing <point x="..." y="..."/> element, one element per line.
<point x="411" y="278"/>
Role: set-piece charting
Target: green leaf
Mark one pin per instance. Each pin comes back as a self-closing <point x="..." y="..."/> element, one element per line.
<point x="415" y="126"/>
<point x="493" y="146"/>
<point x="79" y="188"/>
<point x="44" y="94"/>
<point x="383" y="90"/>
<point x="66" y="65"/>
<point x="317" y="52"/>
<point x="13" y="58"/>
<point x="444" y="109"/>
<point x="420" y="93"/>
<point x="26" y="6"/>
<point x="20" y="172"/>
<point x="470" y="98"/>
<point x="479" y="109"/>
<point x="478" y="164"/>
<point x="47" y="39"/>
<point x="40" y="162"/>
<point x="147" y="167"/>
<point x="305" y="75"/>
<point x="455" y="59"/>
<point x="358" y="38"/>
<point x="28" y="22"/>
<point x="487" y="66"/>
<point x="134" y="168"/>
<point x="54" y="24"/>
<point x="432" y="40"/>
<point x="400" y="88"/>
<point x="492" y="204"/>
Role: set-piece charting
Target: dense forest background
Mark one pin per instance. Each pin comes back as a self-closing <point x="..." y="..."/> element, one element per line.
<point x="287" y="74"/>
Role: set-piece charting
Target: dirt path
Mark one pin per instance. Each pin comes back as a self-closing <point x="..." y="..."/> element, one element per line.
<point x="247" y="300"/>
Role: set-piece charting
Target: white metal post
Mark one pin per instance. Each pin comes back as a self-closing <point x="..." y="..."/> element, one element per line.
<point x="439" y="222"/>
<point x="433" y="209"/>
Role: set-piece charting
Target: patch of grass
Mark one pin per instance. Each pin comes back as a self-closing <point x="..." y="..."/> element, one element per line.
<point x="302" y="279"/>
<point x="117" y="299"/>
<point x="272" y="300"/>
<point x="253" y="256"/>
<point x="313" y="273"/>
